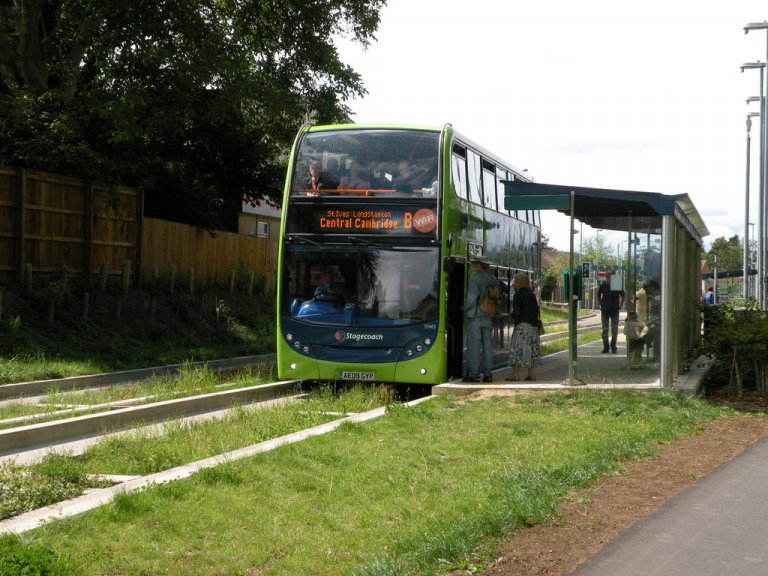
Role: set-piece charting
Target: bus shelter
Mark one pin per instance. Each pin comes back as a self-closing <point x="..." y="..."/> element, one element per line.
<point x="659" y="274"/>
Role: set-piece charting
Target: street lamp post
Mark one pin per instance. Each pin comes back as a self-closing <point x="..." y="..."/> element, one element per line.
<point x="746" y="267"/>
<point x="594" y="267"/>
<point x="761" y="231"/>
<point x="620" y="253"/>
<point x="752" y="256"/>
<point x="760" y="292"/>
<point x="583" y="304"/>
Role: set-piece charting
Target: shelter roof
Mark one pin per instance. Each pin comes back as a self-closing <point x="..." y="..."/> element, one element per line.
<point x="613" y="209"/>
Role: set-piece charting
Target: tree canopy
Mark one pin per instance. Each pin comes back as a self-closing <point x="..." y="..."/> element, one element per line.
<point x="196" y="103"/>
<point x="729" y="254"/>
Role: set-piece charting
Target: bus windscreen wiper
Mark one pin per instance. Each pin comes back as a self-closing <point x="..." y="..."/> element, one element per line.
<point x="301" y="239"/>
<point x="358" y="240"/>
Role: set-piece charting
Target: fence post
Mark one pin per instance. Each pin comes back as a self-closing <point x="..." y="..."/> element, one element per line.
<point x="89" y="209"/>
<point x="86" y="301"/>
<point x="28" y="277"/>
<point x="21" y="229"/>
<point x="103" y="273"/>
<point x="126" y="276"/>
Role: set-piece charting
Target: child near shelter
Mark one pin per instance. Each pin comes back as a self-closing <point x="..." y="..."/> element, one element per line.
<point x="634" y="330"/>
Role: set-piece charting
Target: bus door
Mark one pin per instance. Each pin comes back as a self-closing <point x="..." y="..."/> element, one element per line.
<point x="455" y="272"/>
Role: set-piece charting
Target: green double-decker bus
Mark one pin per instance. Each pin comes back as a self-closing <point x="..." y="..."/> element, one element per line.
<point x="378" y="226"/>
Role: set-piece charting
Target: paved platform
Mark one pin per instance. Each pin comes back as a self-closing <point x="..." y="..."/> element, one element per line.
<point x="593" y="369"/>
<point x="716" y="527"/>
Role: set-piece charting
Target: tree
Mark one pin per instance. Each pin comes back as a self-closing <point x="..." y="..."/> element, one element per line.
<point x="729" y="254"/>
<point x="552" y="276"/>
<point x="197" y="103"/>
<point x="598" y="252"/>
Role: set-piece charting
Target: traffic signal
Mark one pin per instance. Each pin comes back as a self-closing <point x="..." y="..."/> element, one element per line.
<point x="585" y="267"/>
<point x="577" y="288"/>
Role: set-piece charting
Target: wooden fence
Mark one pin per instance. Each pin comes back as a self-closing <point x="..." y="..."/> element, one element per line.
<point x="50" y="222"/>
<point x="189" y="256"/>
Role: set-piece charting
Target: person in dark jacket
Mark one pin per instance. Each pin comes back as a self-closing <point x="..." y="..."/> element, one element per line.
<point x="611" y="302"/>
<point x="524" y="349"/>
<point x="479" y="325"/>
<point x="319" y="181"/>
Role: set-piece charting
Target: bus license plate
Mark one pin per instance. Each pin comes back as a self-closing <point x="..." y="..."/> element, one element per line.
<point x="345" y="375"/>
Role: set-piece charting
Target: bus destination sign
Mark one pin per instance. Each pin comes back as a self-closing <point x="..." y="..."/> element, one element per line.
<point x="385" y="220"/>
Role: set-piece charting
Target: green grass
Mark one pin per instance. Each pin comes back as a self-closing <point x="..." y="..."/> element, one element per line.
<point x="417" y="491"/>
<point x="189" y="380"/>
<point x="555" y="313"/>
<point x="143" y="452"/>
<point x="25" y="367"/>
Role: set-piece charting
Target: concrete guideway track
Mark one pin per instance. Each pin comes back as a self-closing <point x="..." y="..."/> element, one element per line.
<point x="96" y="498"/>
<point x="49" y="434"/>
<point x="39" y="387"/>
<point x="30" y="441"/>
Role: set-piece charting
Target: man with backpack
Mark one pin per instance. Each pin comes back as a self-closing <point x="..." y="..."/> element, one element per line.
<point x="480" y="306"/>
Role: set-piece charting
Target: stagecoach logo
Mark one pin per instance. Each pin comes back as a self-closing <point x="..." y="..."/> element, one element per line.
<point x="424" y="220"/>
<point x="341" y="336"/>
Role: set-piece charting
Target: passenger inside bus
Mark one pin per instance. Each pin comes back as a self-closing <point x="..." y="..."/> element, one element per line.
<point x="331" y="290"/>
<point x="318" y="180"/>
<point x="408" y="179"/>
<point x="358" y="178"/>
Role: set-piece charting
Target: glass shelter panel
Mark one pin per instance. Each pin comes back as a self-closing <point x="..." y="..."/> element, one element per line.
<point x="623" y="290"/>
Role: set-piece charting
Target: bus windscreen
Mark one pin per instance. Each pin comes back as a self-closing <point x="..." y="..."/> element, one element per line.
<point x="367" y="163"/>
<point x="361" y="285"/>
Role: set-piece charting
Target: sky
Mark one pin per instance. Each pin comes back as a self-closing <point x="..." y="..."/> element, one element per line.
<point x="646" y="96"/>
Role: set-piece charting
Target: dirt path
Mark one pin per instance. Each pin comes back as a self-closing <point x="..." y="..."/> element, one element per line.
<point x="593" y="516"/>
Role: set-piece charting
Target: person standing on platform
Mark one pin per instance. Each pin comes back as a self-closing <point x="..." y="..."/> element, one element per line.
<point x="479" y="324"/>
<point x="611" y="302"/>
<point x="524" y="349"/>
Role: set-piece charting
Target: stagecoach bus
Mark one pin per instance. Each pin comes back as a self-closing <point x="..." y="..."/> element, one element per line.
<point x="379" y="224"/>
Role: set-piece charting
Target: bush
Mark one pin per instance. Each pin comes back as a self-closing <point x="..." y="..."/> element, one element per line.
<point x="736" y="340"/>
